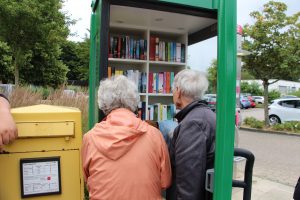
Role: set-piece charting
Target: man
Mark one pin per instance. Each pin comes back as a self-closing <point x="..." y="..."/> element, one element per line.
<point x="8" y="129"/>
<point x="193" y="143"/>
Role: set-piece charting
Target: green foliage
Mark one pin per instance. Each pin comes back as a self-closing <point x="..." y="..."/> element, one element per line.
<point x="34" y="30"/>
<point x="253" y="123"/>
<point x="76" y="56"/>
<point x="293" y="126"/>
<point x="6" y="69"/>
<point x="252" y="88"/>
<point x="245" y="75"/>
<point x="296" y="93"/>
<point x="212" y="76"/>
<point x="43" y="91"/>
<point x="273" y="41"/>
<point x="274" y="94"/>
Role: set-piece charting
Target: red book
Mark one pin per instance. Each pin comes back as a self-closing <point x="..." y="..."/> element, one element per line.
<point x="165" y="83"/>
<point x="150" y="83"/>
<point x="168" y="82"/>
<point x="119" y="47"/>
<point x="152" y="48"/>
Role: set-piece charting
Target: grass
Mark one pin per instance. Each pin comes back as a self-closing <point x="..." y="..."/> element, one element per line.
<point x="26" y="96"/>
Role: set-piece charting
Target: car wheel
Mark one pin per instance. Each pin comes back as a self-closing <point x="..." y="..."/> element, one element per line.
<point x="274" y="120"/>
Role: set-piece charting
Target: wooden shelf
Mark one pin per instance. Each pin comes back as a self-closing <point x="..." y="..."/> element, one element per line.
<point x="159" y="95"/>
<point x="167" y="63"/>
<point x="122" y="60"/>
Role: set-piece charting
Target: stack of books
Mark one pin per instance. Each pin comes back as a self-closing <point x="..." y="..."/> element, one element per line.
<point x="139" y="78"/>
<point x="166" y="51"/>
<point x="161" y="82"/>
<point x="160" y="112"/>
<point x="127" y="47"/>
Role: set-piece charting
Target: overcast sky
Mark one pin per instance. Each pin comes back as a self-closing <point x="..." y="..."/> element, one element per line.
<point x="80" y="10"/>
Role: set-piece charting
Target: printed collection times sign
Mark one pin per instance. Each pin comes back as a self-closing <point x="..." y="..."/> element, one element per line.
<point x="40" y="176"/>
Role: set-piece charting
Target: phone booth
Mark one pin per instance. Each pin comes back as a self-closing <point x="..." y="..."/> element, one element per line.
<point x="156" y="29"/>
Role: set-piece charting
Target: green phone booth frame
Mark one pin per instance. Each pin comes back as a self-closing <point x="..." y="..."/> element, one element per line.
<point x="225" y="12"/>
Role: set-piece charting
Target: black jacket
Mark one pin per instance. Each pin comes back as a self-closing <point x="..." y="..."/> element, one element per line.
<point x="192" y="152"/>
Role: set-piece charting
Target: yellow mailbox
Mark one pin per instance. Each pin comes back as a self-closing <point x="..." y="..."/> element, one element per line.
<point x="44" y="162"/>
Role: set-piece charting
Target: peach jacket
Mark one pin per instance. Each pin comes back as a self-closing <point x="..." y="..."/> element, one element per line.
<point x="124" y="158"/>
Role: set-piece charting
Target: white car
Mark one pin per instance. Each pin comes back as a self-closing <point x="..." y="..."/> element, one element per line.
<point x="258" y="99"/>
<point x="282" y="110"/>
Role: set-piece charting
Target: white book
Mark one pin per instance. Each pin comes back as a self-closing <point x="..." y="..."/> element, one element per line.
<point x="178" y="52"/>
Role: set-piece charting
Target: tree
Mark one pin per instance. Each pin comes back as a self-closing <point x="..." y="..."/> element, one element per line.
<point x="6" y="70"/>
<point x="30" y="26"/>
<point x="245" y="75"/>
<point x="252" y="88"/>
<point x="212" y="76"/>
<point x="273" y="41"/>
<point x="76" y="56"/>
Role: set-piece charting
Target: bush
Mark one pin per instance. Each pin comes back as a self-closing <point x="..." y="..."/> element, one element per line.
<point x="293" y="126"/>
<point x="252" y="88"/>
<point x="274" y="94"/>
<point x="253" y="123"/>
<point x="296" y="93"/>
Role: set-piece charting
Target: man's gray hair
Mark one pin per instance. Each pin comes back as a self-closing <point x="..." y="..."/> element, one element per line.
<point x="192" y="83"/>
<point x="117" y="92"/>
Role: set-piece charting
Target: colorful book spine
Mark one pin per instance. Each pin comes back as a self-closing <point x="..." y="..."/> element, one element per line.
<point x="150" y="82"/>
<point x="168" y="82"/>
<point x="152" y="48"/>
<point x="178" y="52"/>
<point x="160" y="82"/>
<point x="156" y="49"/>
<point x="172" y="80"/>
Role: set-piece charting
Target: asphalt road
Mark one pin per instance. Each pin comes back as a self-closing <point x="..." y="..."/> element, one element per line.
<point x="277" y="157"/>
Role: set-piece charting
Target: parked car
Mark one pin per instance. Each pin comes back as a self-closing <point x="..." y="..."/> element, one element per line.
<point x="259" y="99"/>
<point x="252" y="102"/>
<point x="211" y="100"/>
<point x="244" y="102"/>
<point x="288" y="96"/>
<point x="282" y="110"/>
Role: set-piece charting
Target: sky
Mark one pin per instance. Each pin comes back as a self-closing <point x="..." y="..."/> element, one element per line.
<point x="80" y="11"/>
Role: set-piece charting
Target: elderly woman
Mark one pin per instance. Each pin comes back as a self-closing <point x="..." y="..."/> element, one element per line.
<point x="123" y="157"/>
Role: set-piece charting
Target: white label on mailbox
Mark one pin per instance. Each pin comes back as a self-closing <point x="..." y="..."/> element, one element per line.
<point x="40" y="177"/>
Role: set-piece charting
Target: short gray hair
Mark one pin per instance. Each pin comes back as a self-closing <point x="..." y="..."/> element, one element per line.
<point x="117" y="92"/>
<point x="192" y="83"/>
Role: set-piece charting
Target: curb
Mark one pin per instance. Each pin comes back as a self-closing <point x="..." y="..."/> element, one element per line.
<point x="270" y="132"/>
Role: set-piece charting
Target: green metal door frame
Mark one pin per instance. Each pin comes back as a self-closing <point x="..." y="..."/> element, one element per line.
<point x="226" y="99"/>
<point x="226" y="10"/>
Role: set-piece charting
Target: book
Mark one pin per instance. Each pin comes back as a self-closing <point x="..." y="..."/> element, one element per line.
<point x="156" y="49"/>
<point x="172" y="80"/>
<point x="160" y="82"/>
<point x="168" y="82"/>
<point x="178" y="52"/>
<point x="182" y="53"/>
<point x="152" y="48"/>
<point x="109" y="71"/>
<point x="150" y="82"/>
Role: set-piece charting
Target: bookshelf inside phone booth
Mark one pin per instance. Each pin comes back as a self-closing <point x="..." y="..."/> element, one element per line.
<point x="150" y="47"/>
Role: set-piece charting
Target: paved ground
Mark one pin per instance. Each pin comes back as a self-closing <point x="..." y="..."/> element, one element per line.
<point x="277" y="156"/>
<point x="263" y="189"/>
<point x="276" y="168"/>
<point x="257" y="113"/>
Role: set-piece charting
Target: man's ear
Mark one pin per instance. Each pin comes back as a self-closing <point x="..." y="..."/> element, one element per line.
<point x="178" y="92"/>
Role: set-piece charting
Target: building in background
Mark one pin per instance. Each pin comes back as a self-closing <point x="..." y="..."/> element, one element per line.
<point x="284" y="87"/>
